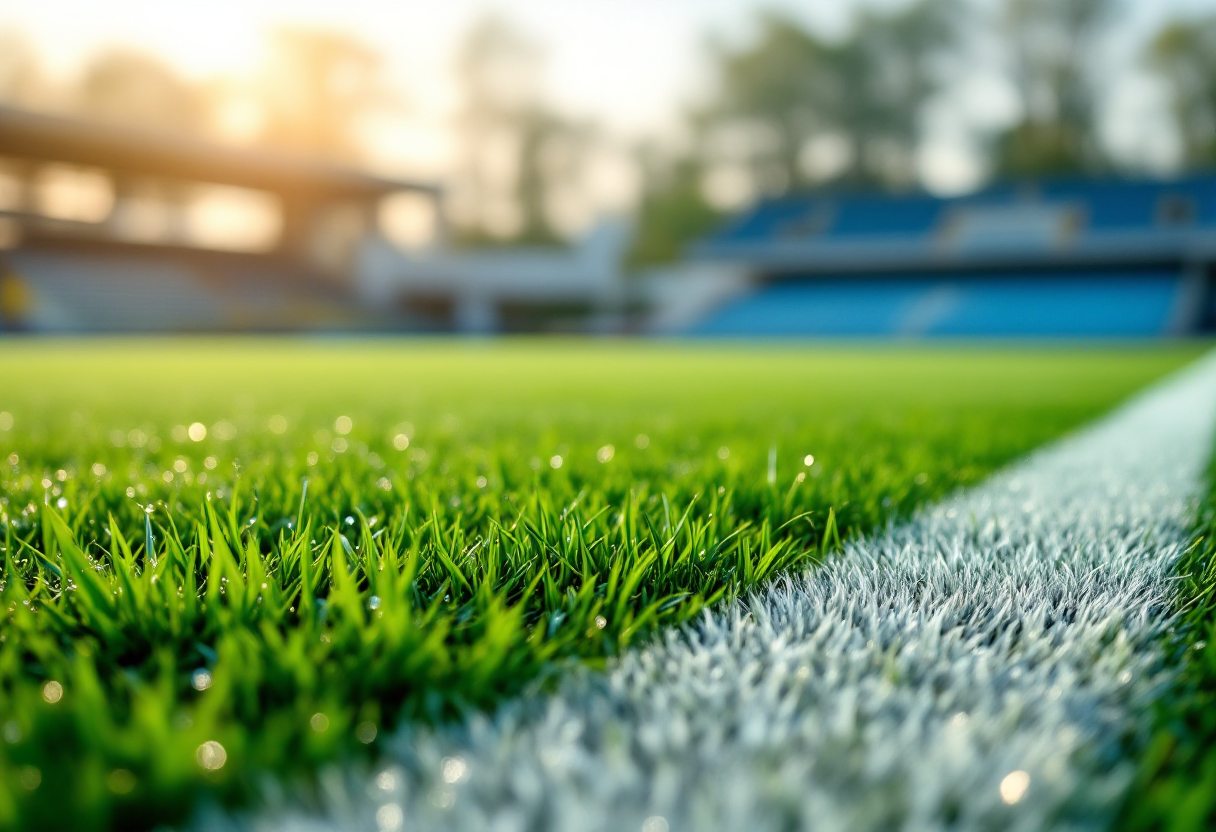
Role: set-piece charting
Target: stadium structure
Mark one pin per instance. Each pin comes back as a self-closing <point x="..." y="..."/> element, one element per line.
<point x="104" y="228"/>
<point x="108" y="229"/>
<point x="1065" y="258"/>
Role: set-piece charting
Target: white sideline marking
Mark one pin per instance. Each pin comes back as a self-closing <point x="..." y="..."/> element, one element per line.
<point x="976" y="668"/>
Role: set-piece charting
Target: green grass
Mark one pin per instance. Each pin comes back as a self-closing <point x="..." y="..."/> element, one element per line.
<point x="273" y="594"/>
<point x="1175" y="786"/>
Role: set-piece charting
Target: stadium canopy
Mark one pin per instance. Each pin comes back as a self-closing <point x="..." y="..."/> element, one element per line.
<point x="45" y="138"/>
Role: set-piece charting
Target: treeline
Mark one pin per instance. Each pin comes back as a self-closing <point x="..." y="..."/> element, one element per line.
<point x="796" y="109"/>
<point x="791" y="108"/>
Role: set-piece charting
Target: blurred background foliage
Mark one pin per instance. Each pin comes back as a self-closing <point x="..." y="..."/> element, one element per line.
<point x="787" y="108"/>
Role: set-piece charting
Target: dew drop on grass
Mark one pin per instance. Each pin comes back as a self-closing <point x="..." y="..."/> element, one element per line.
<point x="120" y="781"/>
<point x="200" y="680"/>
<point x="1014" y="786"/>
<point x="389" y="817"/>
<point x="374" y="602"/>
<point x="197" y="431"/>
<point x="453" y="769"/>
<point x="31" y="778"/>
<point x="52" y="692"/>
<point x="211" y="755"/>
<point x="319" y="723"/>
<point x="365" y="732"/>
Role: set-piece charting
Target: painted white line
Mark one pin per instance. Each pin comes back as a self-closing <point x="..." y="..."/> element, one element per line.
<point x="981" y="667"/>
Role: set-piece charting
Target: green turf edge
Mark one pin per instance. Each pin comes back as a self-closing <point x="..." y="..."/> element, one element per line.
<point x="1175" y="784"/>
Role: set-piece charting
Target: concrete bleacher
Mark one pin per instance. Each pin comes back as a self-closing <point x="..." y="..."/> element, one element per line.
<point x="1061" y="258"/>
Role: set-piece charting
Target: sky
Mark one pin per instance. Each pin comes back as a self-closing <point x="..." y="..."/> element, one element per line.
<point x="630" y="65"/>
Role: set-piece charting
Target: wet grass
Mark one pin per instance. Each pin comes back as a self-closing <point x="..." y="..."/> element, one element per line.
<point x="1175" y="786"/>
<point x="229" y="559"/>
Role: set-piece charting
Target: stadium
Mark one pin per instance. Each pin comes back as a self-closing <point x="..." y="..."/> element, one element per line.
<point x="602" y="418"/>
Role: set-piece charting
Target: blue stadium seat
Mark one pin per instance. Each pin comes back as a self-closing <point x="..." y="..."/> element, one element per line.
<point x="1110" y="206"/>
<point x="894" y="216"/>
<point x="1095" y="304"/>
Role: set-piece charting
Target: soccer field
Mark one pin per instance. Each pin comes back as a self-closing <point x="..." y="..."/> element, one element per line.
<point x="227" y="560"/>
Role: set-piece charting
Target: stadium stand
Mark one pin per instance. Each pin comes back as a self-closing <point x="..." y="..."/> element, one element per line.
<point x="1067" y="258"/>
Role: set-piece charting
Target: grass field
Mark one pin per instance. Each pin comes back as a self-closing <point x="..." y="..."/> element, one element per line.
<point x="230" y="557"/>
<point x="1175" y="787"/>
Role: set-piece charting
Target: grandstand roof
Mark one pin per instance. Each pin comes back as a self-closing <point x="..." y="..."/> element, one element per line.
<point x="120" y="149"/>
<point x="1055" y="222"/>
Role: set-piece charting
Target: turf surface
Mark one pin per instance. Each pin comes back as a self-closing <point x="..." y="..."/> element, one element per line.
<point x="1175" y="786"/>
<point x="224" y="558"/>
<point x="985" y="665"/>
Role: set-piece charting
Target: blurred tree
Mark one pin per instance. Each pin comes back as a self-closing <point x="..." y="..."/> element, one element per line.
<point x="766" y="103"/>
<point x="1184" y="54"/>
<point x="1055" y="64"/>
<point x="882" y="78"/>
<point x="133" y="88"/>
<point x="314" y="89"/>
<point x="864" y="93"/>
<point x="516" y="151"/>
<point x="673" y="210"/>
<point x="794" y="109"/>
